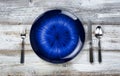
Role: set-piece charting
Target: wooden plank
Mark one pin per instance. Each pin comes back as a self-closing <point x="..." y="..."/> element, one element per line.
<point x="83" y="9"/>
<point x="36" y="66"/>
<point x="12" y="3"/>
<point x="10" y="35"/>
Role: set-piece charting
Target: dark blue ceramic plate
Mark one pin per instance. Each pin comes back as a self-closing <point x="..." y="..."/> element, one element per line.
<point x="57" y="36"/>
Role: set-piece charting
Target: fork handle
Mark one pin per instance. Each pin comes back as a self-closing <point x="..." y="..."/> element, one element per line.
<point x="22" y="52"/>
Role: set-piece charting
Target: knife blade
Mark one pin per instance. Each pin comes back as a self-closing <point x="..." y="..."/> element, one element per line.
<point x="90" y="42"/>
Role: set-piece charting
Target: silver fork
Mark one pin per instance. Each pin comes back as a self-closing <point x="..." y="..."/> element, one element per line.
<point x="23" y="36"/>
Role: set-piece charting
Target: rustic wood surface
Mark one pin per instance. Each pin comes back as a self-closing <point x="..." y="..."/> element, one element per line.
<point x="17" y="15"/>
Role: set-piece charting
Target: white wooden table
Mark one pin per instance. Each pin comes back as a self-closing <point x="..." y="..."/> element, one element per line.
<point x="16" y="15"/>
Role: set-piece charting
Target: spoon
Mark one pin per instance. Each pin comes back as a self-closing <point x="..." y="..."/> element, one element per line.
<point x="98" y="35"/>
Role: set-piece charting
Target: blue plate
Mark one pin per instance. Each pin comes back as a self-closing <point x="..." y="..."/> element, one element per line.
<point x="57" y="36"/>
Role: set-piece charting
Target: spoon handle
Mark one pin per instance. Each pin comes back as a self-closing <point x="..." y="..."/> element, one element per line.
<point x="91" y="53"/>
<point x="99" y="52"/>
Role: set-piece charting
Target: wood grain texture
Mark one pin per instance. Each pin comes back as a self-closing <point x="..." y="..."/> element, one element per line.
<point x="17" y="15"/>
<point x="10" y="35"/>
<point x="80" y="65"/>
<point x="25" y="14"/>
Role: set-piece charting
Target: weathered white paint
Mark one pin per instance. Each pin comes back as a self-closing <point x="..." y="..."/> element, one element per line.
<point x="36" y="66"/>
<point x="24" y="14"/>
<point x="10" y="35"/>
<point x="16" y="15"/>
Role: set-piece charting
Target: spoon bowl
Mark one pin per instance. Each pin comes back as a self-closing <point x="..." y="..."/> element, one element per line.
<point x="98" y="32"/>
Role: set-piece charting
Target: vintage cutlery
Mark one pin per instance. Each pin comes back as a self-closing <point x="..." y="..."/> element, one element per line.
<point x="23" y="36"/>
<point x="90" y="42"/>
<point x="98" y="35"/>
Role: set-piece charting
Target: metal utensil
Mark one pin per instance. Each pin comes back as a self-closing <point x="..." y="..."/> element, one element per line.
<point x="23" y="36"/>
<point x="90" y="42"/>
<point x="98" y="35"/>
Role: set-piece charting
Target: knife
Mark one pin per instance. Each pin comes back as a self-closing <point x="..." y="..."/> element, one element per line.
<point x="90" y="42"/>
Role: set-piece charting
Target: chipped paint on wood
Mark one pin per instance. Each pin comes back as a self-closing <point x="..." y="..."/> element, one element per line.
<point x="16" y="15"/>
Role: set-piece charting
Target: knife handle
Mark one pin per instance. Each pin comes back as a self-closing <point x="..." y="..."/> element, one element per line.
<point x="91" y="53"/>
